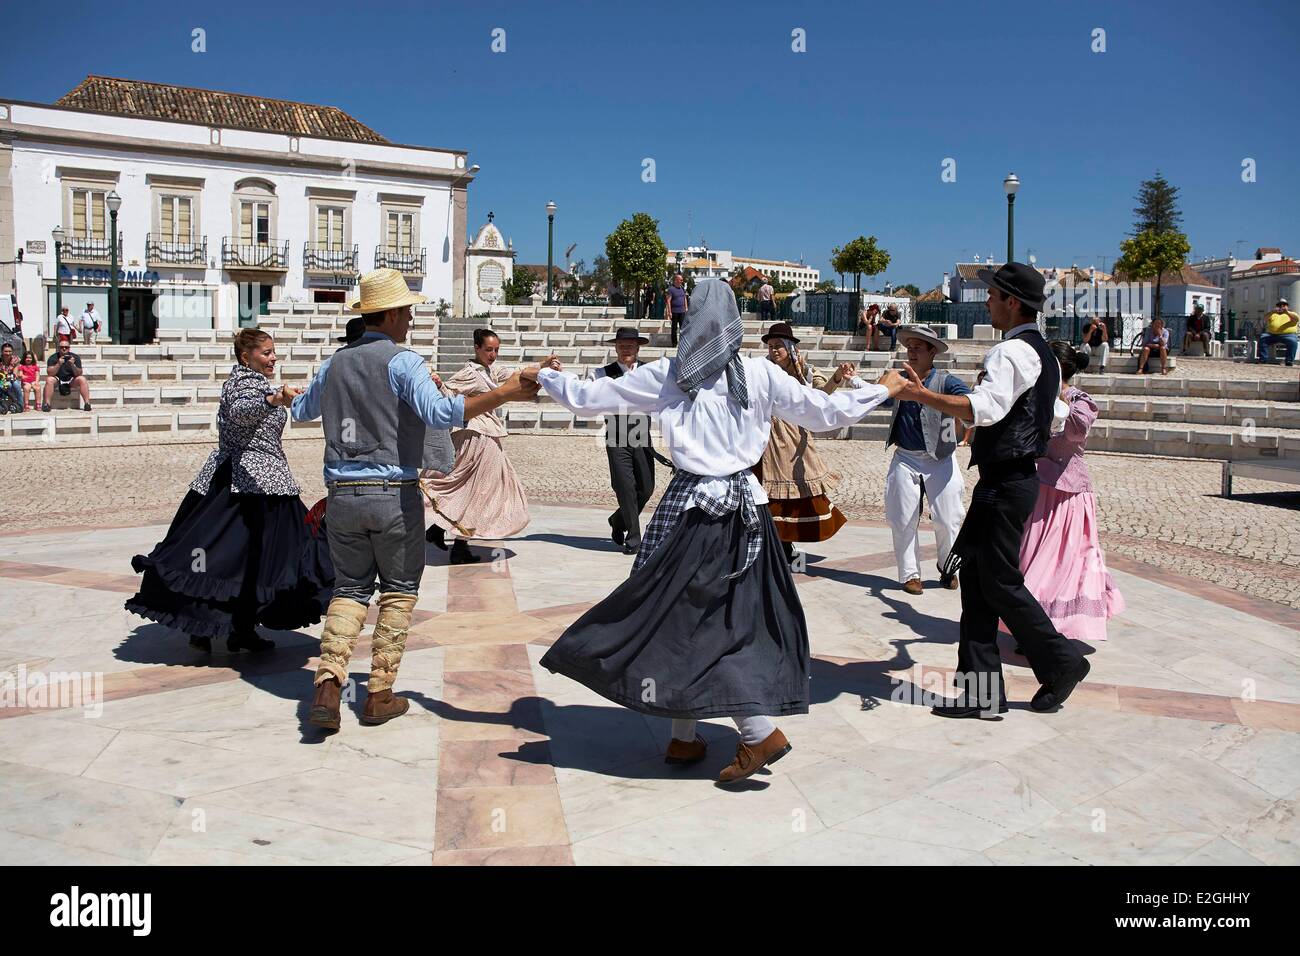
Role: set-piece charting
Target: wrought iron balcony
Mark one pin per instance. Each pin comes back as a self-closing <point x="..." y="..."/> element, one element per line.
<point x="403" y="259"/>
<point x="160" y="253"/>
<point x="322" y="259"/>
<point x="257" y="255"/>
<point x="78" y="249"/>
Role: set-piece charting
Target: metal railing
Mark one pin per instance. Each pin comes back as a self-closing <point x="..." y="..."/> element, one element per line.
<point x="259" y="255"/>
<point x="403" y="259"/>
<point x="81" y="249"/>
<point x="158" y="252"/>
<point x="323" y="259"/>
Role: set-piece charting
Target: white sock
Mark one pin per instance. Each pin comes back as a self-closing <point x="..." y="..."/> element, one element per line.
<point x="754" y="730"/>
<point x="684" y="730"/>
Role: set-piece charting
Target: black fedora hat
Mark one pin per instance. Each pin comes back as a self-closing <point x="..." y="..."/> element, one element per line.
<point x="355" y="328"/>
<point x="1015" y="278"/>
<point x="628" y="334"/>
<point x="781" y="330"/>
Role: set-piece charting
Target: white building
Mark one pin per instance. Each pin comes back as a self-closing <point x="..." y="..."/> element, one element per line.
<point x="1255" y="289"/>
<point x="490" y="265"/>
<point x="228" y="201"/>
<point x="705" y="263"/>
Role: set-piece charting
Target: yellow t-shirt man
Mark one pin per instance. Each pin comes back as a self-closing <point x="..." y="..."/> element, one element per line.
<point x="1282" y="322"/>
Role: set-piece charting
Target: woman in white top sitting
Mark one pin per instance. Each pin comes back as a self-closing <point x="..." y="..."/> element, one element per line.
<point x="709" y="623"/>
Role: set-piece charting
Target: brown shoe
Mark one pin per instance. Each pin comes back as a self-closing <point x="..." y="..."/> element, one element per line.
<point x="686" y="752"/>
<point x="949" y="581"/>
<point x="382" y="706"/>
<point x="750" y="759"/>
<point x="325" y="705"/>
<point x="914" y="586"/>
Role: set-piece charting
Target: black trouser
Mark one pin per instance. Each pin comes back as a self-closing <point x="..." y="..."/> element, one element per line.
<point x="678" y="318"/>
<point x="993" y="587"/>
<point x="632" y="475"/>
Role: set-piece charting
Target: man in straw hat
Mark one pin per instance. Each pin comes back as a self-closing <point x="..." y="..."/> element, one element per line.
<point x="376" y="399"/>
<point x="628" y="448"/>
<point x="1016" y="408"/>
<point x="924" y="439"/>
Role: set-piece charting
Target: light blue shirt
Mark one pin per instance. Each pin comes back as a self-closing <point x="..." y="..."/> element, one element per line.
<point x="410" y="382"/>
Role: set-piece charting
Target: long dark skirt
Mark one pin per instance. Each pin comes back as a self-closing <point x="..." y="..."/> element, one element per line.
<point x="230" y="562"/>
<point x="677" y="639"/>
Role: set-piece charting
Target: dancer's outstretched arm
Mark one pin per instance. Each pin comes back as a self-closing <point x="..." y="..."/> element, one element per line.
<point x="640" y="390"/>
<point x="818" y="411"/>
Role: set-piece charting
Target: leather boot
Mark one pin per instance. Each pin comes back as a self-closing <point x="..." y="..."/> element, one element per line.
<point x="325" y="705"/>
<point x="461" y="554"/>
<point x="388" y="642"/>
<point x="750" y="759"/>
<point x="382" y="706"/>
<point x="343" y="622"/>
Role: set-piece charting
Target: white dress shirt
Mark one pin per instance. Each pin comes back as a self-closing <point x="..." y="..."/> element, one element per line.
<point x="713" y="436"/>
<point x="1011" y="368"/>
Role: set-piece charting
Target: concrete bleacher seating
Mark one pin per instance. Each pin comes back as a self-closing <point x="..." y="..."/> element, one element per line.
<point x="170" y="388"/>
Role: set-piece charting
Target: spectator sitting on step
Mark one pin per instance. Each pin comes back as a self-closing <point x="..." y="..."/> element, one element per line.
<point x="1282" y="326"/>
<point x="1096" y="341"/>
<point x="887" y="324"/>
<point x="867" y="323"/>
<point x="30" y="370"/>
<point x="1198" y="329"/>
<point x="64" y="370"/>
<point x="10" y="377"/>
<point x="1155" y="338"/>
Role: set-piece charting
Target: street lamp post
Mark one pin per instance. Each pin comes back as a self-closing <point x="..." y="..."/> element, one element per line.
<point x="57" y="234"/>
<point x="550" y="247"/>
<point x="1011" y="184"/>
<point x="114" y="203"/>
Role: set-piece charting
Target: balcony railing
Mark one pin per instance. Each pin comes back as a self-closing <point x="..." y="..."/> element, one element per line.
<point x="403" y="259"/>
<point x="78" y="249"/>
<point x="321" y="259"/>
<point x="168" y="253"/>
<point x="258" y="255"/>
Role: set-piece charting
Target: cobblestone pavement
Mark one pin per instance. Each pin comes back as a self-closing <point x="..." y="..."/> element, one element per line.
<point x="1164" y="512"/>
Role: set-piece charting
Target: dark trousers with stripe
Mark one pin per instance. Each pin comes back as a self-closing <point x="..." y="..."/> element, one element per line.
<point x="632" y="476"/>
<point x="993" y="588"/>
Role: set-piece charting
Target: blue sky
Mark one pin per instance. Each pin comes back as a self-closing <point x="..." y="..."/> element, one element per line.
<point x="758" y="148"/>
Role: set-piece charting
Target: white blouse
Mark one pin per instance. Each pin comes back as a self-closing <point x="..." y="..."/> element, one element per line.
<point x="713" y="436"/>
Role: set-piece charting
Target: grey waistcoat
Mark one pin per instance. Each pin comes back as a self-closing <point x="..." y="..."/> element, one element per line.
<point x="940" y="443"/>
<point x="363" y="419"/>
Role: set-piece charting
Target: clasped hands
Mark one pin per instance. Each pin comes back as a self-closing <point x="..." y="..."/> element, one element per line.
<point x="903" y="384"/>
<point x="284" y="397"/>
<point x="525" y="380"/>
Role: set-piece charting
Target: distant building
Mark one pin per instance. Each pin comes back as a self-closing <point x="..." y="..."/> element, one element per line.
<point x="228" y="202"/>
<point x="701" y="262"/>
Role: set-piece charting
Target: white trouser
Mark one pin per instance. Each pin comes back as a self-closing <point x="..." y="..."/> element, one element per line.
<point x="1103" y="353"/>
<point x="943" y="486"/>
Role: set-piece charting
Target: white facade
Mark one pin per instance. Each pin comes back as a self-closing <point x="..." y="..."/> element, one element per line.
<point x="1253" y="293"/>
<point x="705" y="263"/>
<point x="288" y="210"/>
<point x="489" y="265"/>
<point x="805" y="277"/>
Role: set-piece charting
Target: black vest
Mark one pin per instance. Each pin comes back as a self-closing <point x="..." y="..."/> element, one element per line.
<point x="625" y="430"/>
<point x="1024" y="432"/>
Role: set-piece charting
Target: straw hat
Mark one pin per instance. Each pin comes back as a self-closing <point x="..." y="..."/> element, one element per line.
<point x="384" y="289"/>
<point x="924" y="333"/>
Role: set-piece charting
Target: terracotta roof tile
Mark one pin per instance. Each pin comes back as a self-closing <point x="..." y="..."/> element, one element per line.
<point x="105" y="94"/>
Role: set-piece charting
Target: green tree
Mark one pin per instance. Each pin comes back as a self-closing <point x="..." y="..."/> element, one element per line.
<point x="907" y="287"/>
<point x="518" y="290"/>
<point x="636" y="255"/>
<point x="1157" y="207"/>
<point x="1149" y="255"/>
<point x="826" y="285"/>
<point x="862" y="257"/>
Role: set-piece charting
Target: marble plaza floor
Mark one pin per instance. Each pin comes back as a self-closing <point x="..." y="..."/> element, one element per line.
<point x="1183" y="747"/>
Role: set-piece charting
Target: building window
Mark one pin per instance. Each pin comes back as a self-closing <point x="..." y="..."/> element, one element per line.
<point x="255" y="223"/>
<point x="399" y="234"/>
<point x="329" y="227"/>
<point x="175" y="219"/>
<point x="88" y="214"/>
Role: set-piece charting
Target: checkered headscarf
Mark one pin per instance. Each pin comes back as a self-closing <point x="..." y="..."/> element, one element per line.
<point x="711" y="341"/>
